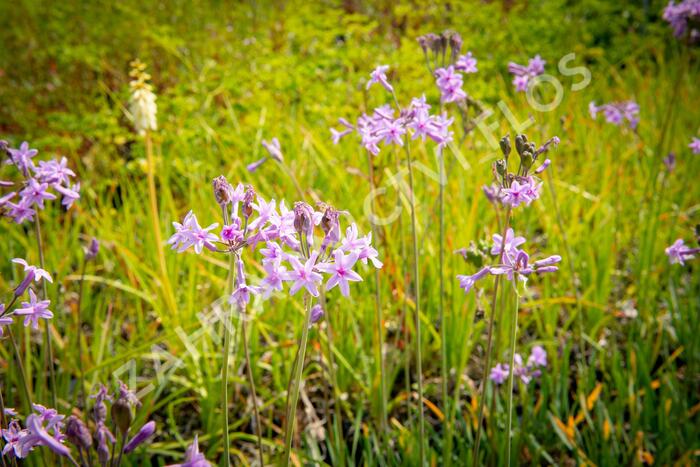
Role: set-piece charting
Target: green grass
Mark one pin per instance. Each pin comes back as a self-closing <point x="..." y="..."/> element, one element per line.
<point x="228" y="76"/>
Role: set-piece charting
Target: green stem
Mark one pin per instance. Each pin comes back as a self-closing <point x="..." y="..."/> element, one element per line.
<point x="380" y="313"/>
<point x="513" y="335"/>
<point x="441" y="314"/>
<point x="251" y="382"/>
<point x="45" y="295"/>
<point x="338" y="419"/>
<point x="489" y="343"/>
<point x="23" y="375"/>
<point x="79" y="328"/>
<point x="296" y="379"/>
<point x="228" y="320"/>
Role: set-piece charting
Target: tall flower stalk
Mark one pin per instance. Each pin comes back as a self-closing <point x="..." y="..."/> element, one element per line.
<point x="143" y="110"/>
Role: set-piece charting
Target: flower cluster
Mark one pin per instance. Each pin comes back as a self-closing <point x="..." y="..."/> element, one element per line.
<point x="695" y="145"/>
<point x="142" y="104"/>
<point x="521" y="187"/>
<point x="31" y="310"/>
<point x="292" y="252"/>
<point x="42" y="182"/>
<point x="514" y="265"/>
<point x="385" y="127"/>
<point x="617" y="112"/>
<point x="447" y="70"/>
<point x="684" y="18"/>
<point x="523" y="75"/>
<point x="679" y="252"/>
<point x="532" y="369"/>
<point x="43" y="427"/>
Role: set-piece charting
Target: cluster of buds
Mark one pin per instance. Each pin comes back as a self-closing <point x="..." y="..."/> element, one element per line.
<point x="526" y="372"/>
<point x="447" y="69"/>
<point x="522" y="186"/>
<point x="384" y="127"/>
<point x="41" y="182"/>
<point x="513" y="262"/>
<point x="292" y="252"/>
<point x="142" y="104"/>
<point x="46" y="427"/>
<point x="617" y="113"/>
<point x="523" y="75"/>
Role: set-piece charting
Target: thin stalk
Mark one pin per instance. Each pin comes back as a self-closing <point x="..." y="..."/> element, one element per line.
<point x="380" y="312"/>
<point x="45" y="296"/>
<point x="3" y="426"/>
<point x="251" y="382"/>
<point x="225" y="354"/>
<point x="441" y="310"/>
<point x="23" y="375"/>
<point x="489" y="343"/>
<point x="416" y="276"/>
<point x="81" y="381"/>
<point x="296" y="378"/>
<point x="155" y="218"/>
<point x="513" y="335"/>
<point x="338" y="419"/>
<point x="121" y="451"/>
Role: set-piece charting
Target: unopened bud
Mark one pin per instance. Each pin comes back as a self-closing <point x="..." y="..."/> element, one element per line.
<point x="92" y="249"/>
<point x="520" y="142"/>
<point x="500" y="166"/>
<point x="526" y="160"/>
<point x="223" y="191"/>
<point x="121" y="415"/>
<point x="303" y="218"/>
<point x="248" y="199"/>
<point x="505" y="145"/>
<point x="77" y="433"/>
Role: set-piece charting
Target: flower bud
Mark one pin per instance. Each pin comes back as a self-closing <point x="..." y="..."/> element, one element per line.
<point x="223" y="191"/>
<point x="92" y="249"/>
<point x="144" y="433"/>
<point x="77" y="433"/>
<point x="121" y="415"/>
<point x="303" y="218"/>
<point x="526" y="160"/>
<point x="103" y="437"/>
<point x="520" y="142"/>
<point x="248" y="199"/>
<point x="505" y="145"/>
<point x="316" y="313"/>
<point x="500" y="167"/>
<point x="26" y="282"/>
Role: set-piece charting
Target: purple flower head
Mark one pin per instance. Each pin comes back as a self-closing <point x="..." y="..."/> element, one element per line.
<point x="511" y="246"/>
<point x="13" y="435"/>
<point x="78" y="433"/>
<point x="467" y="282"/>
<point x="273" y="148"/>
<point x="70" y="195"/>
<point x="191" y="234"/>
<point x="536" y="65"/>
<point x="32" y="273"/>
<point x="304" y="220"/>
<point x="466" y="63"/>
<point x="92" y="249"/>
<point x="22" y="158"/>
<point x="241" y="296"/>
<point x="517" y="194"/>
<point x="21" y="211"/>
<point x="54" y="172"/>
<point x="34" y="310"/>
<point x="139" y="438"/>
<point x="499" y="374"/>
<point x="193" y="458"/>
<point x="103" y="438"/>
<point x="682" y="15"/>
<point x="341" y="271"/>
<point x="4" y="320"/>
<point x="378" y="75"/>
<point x="232" y="232"/>
<point x="303" y="275"/>
<point x="449" y="81"/>
<point x="538" y="357"/>
<point x="522" y="75"/>
<point x="331" y="227"/>
<point x="127" y="395"/>
<point x="679" y="252"/>
<point x="274" y="273"/>
<point x="99" y="410"/>
<point x="35" y="193"/>
<point x="695" y="145"/>
<point x="38" y="435"/>
<point x="617" y="112"/>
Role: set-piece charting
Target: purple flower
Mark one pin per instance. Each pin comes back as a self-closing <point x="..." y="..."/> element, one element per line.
<point x="232" y="232"/>
<point x="21" y="211"/>
<point x="517" y="194"/>
<point x="521" y="83"/>
<point x="536" y="65"/>
<point x="341" y="271"/>
<point x="243" y="292"/>
<point x="538" y="357"/>
<point x="33" y="310"/>
<point x="466" y="63"/>
<point x="617" y="112"/>
<point x="499" y="374"/>
<point x="193" y="458"/>
<point x="523" y="74"/>
<point x="303" y="275"/>
<point x="35" y="193"/>
<point x="189" y="234"/>
<point x="143" y="434"/>
<point x="103" y="438"/>
<point x="316" y="313"/>
<point x="467" y="282"/>
<point x="273" y="149"/>
<point x="392" y="132"/>
<point x="273" y="278"/>
<point x="38" y="435"/>
<point x="4" y="320"/>
<point x="450" y="84"/>
<point x="678" y="252"/>
<point x="681" y="15"/>
<point x="54" y="172"/>
<point x="13" y="435"/>
<point x="695" y="145"/>
<point x="22" y="157"/>
<point x="511" y="246"/>
<point x="92" y="249"/>
<point x="32" y="273"/>
<point x="378" y="75"/>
